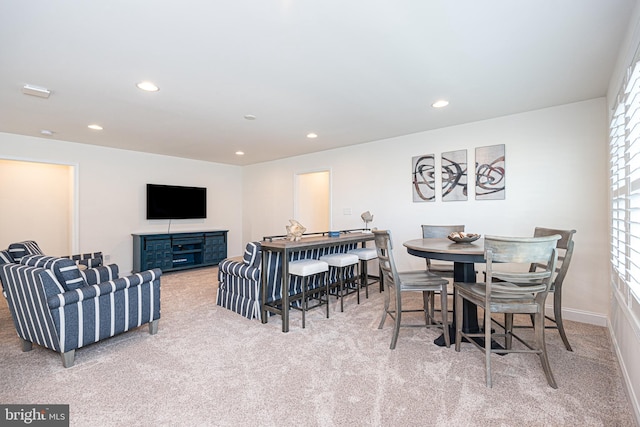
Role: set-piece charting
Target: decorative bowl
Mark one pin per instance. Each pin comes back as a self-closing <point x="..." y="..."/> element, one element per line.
<point x="463" y="237"/>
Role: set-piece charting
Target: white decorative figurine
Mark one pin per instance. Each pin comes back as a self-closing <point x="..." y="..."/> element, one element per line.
<point x="367" y="218"/>
<point x="295" y="230"/>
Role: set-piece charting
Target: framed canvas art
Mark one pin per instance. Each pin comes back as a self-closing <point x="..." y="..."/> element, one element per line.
<point x="423" y="178"/>
<point x="490" y="173"/>
<point x="454" y="175"/>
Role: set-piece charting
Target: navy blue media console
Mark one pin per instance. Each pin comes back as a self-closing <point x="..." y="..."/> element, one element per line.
<point x="178" y="251"/>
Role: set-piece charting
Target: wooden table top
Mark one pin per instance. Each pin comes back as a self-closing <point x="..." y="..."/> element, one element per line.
<point x="446" y="250"/>
<point x="317" y="241"/>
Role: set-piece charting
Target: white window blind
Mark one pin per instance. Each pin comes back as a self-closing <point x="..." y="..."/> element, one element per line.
<point x="624" y="144"/>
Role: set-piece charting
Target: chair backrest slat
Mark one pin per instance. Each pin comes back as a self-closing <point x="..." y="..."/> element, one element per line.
<point x="565" y="252"/>
<point x="384" y="249"/>
<point x="439" y="231"/>
<point x="521" y="250"/>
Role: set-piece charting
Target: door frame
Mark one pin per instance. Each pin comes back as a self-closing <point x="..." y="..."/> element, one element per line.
<point x="74" y="237"/>
<point x="296" y="193"/>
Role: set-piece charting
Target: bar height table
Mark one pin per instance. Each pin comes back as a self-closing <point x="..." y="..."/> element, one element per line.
<point x="286" y="248"/>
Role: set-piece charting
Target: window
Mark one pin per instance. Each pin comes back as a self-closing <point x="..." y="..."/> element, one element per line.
<point x="624" y="174"/>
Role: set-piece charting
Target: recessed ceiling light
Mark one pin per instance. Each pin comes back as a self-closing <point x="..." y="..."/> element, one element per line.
<point x="148" y="86"/>
<point x="240" y="153"/>
<point x="439" y="104"/>
<point x="312" y="135"/>
<point x="95" y="127"/>
<point x="249" y="117"/>
<point x="36" y="91"/>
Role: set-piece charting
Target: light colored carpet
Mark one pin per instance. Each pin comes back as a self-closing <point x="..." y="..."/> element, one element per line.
<point x="208" y="366"/>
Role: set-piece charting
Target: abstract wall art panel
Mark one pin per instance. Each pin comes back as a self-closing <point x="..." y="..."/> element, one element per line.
<point x="490" y="173"/>
<point x="454" y="175"/>
<point x="423" y="178"/>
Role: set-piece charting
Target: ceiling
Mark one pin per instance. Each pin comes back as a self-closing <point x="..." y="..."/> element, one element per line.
<point x="350" y="71"/>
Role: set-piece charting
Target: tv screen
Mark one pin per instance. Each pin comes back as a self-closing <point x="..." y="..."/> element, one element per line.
<point x="175" y="202"/>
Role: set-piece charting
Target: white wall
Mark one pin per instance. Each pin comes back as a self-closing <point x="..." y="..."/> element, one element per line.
<point x="111" y="193"/>
<point x="556" y="161"/>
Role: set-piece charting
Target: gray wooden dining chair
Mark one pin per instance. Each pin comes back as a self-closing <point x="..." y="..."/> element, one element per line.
<point x="441" y="268"/>
<point x="398" y="283"/>
<point x="565" y="253"/>
<point x="517" y="292"/>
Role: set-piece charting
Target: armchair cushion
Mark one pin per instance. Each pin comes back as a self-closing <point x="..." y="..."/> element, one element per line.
<point x="65" y="270"/>
<point x="5" y="257"/>
<point x="253" y="254"/>
<point x="89" y="260"/>
<point x="21" y="249"/>
<point x="96" y="275"/>
<point x="103" y="288"/>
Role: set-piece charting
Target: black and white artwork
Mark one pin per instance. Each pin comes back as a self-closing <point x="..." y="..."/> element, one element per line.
<point x="490" y="173"/>
<point x="454" y="175"/>
<point x="423" y="178"/>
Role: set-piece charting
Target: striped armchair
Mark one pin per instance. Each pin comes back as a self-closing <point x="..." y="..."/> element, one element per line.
<point x="16" y="251"/>
<point x="58" y="306"/>
<point x="239" y="280"/>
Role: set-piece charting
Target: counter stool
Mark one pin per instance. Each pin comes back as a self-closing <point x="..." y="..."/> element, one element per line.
<point x="341" y="262"/>
<point x="305" y="268"/>
<point x="365" y="255"/>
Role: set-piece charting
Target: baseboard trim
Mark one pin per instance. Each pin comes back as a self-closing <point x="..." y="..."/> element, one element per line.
<point x="581" y="316"/>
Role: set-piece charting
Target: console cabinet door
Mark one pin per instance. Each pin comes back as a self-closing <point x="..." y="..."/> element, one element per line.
<point x="158" y="254"/>
<point x="215" y="248"/>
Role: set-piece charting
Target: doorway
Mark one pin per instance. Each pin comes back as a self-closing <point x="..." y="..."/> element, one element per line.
<point x="38" y="204"/>
<point x="312" y="200"/>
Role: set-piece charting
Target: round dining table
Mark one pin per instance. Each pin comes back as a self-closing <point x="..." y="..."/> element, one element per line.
<point x="464" y="257"/>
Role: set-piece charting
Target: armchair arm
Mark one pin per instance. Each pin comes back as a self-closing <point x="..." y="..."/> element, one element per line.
<point x="94" y="291"/>
<point x="90" y="260"/>
<point x="238" y="268"/>
<point x="94" y="276"/>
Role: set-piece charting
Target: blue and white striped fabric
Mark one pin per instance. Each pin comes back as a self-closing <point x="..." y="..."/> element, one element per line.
<point x="96" y="275"/>
<point x="66" y="271"/>
<point x="5" y="257"/>
<point x="45" y="314"/>
<point x="21" y="249"/>
<point x="253" y="254"/>
<point x="239" y="284"/>
<point x="89" y="260"/>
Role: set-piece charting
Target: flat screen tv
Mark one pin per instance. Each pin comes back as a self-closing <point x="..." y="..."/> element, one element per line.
<point x="176" y="202"/>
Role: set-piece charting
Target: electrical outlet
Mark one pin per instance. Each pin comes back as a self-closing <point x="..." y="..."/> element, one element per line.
<point x="107" y="258"/>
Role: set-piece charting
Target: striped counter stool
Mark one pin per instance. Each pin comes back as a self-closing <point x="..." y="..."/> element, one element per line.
<point x="341" y="262"/>
<point x="306" y="268"/>
<point x="365" y="255"/>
